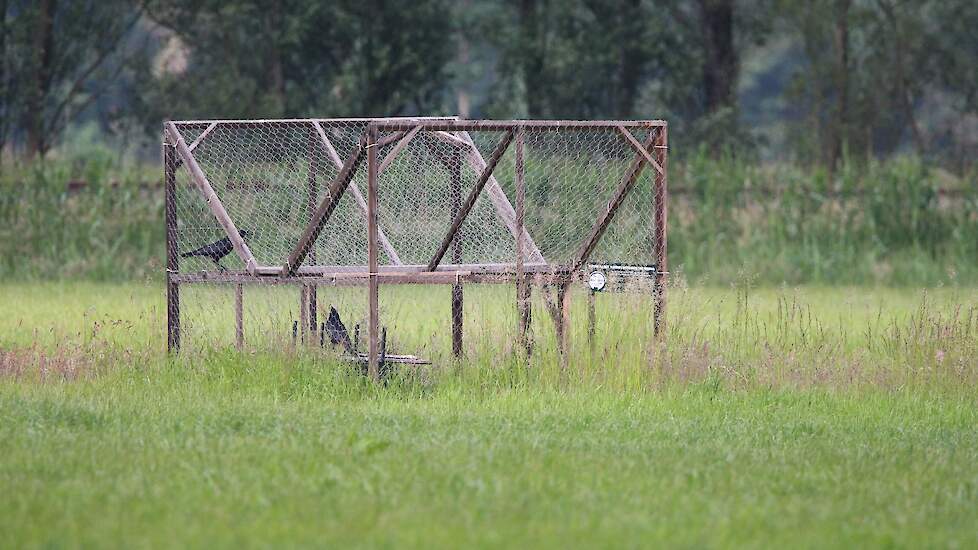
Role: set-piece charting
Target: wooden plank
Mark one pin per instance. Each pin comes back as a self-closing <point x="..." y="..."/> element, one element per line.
<point x="499" y="201"/>
<point x="172" y="254"/>
<point x="470" y="201"/>
<point x="373" y="325"/>
<point x="522" y="285"/>
<point x="357" y="196"/>
<point x="326" y="207"/>
<point x="624" y="187"/>
<point x="213" y="202"/>
<point x="397" y="149"/>
<point x="639" y="149"/>
<point x="660" y="232"/>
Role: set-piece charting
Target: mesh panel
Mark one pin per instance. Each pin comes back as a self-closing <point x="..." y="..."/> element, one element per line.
<point x="271" y="176"/>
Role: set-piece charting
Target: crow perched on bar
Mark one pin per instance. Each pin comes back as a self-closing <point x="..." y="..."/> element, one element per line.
<point x="215" y="250"/>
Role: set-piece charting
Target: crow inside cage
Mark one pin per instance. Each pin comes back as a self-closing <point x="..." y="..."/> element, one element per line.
<point x="215" y="250"/>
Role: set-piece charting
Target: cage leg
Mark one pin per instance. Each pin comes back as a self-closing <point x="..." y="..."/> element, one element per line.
<point x="524" y="309"/>
<point x="312" y="298"/>
<point x="373" y="305"/>
<point x="661" y="233"/>
<point x="172" y="316"/>
<point x="563" y="323"/>
<point x="591" y="319"/>
<point x="172" y="254"/>
<point x="239" y="316"/>
<point x="303" y="313"/>
<point x="457" y="298"/>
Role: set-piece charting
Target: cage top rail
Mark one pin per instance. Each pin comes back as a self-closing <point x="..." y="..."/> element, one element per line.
<point x="434" y="123"/>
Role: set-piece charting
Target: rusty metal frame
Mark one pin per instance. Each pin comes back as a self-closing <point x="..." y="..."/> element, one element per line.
<point x="530" y="266"/>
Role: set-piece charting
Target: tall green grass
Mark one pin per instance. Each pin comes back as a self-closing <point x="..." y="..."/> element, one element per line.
<point x="899" y="222"/>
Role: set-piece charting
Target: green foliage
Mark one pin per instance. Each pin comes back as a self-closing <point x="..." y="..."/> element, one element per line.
<point x="81" y="217"/>
<point x="898" y="222"/>
<point x="253" y="59"/>
<point x="883" y="223"/>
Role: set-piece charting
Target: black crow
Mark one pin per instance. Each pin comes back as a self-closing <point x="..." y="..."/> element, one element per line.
<point x="215" y="250"/>
<point x="337" y="331"/>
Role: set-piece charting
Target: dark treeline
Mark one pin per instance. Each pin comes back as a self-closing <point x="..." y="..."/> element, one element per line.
<point x="813" y="81"/>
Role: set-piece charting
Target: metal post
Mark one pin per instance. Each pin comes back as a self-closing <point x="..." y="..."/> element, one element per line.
<point x="172" y="255"/>
<point x="563" y="326"/>
<point x="303" y="312"/>
<point x="522" y="284"/>
<point x="311" y="206"/>
<point x="457" y="295"/>
<point x="591" y="319"/>
<point x="373" y="328"/>
<point x="661" y="232"/>
<point x="239" y="316"/>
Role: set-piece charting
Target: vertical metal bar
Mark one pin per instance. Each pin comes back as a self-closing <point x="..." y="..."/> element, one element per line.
<point x="457" y="295"/>
<point x="239" y="316"/>
<point x="591" y="319"/>
<point x="311" y="206"/>
<point x="563" y="334"/>
<point x="661" y="230"/>
<point x="373" y="332"/>
<point x="172" y="255"/>
<point x="303" y="312"/>
<point x="522" y="285"/>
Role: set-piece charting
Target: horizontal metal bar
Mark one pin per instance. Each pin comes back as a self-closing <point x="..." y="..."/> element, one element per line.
<point x="307" y="270"/>
<point x="528" y="125"/>
<point x="362" y="279"/>
<point x="622" y="267"/>
<point x="431" y="123"/>
<point x="328" y="122"/>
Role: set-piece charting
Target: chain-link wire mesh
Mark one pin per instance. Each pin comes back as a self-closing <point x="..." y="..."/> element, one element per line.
<point x="272" y="176"/>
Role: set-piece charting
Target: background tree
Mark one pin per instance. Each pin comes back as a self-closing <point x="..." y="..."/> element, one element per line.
<point x="58" y="58"/>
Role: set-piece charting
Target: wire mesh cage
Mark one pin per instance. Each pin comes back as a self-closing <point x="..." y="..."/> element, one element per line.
<point x="369" y="202"/>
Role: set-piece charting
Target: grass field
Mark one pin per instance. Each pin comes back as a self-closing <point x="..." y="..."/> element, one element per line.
<point x="807" y="417"/>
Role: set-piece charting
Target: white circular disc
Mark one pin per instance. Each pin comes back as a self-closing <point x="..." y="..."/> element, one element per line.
<point x="596" y="280"/>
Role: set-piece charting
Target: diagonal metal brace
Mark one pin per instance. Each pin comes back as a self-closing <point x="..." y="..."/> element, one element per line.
<point x="470" y="201"/>
<point x="624" y="188"/>
<point x="325" y="209"/>
<point x="213" y="201"/>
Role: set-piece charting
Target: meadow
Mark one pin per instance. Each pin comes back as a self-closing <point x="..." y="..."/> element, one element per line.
<point x="802" y="416"/>
<point x="816" y="386"/>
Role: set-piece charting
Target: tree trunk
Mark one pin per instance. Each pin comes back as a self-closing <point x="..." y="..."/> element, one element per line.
<point x="41" y="82"/>
<point x="720" y="67"/>
<point x="839" y="131"/>
<point x="631" y="59"/>
<point x="5" y="96"/>
<point x="533" y="54"/>
<point x="276" y="71"/>
<point x="463" y="99"/>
